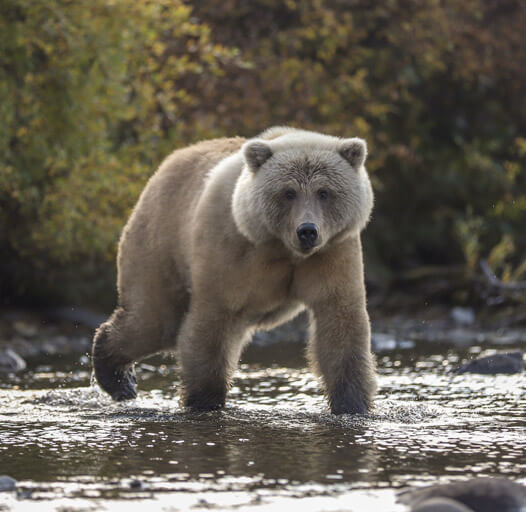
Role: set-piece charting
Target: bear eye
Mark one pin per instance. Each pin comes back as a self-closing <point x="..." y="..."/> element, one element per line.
<point x="323" y="194"/>
<point x="290" y="194"/>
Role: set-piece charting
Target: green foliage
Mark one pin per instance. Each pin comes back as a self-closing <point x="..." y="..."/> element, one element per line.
<point x="435" y="89"/>
<point x="95" y="96"/>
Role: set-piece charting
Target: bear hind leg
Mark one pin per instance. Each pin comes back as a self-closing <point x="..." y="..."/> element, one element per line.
<point x="114" y="372"/>
<point x="117" y="344"/>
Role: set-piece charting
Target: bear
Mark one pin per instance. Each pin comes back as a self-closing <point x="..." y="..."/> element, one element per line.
<point x="233" y="235"/>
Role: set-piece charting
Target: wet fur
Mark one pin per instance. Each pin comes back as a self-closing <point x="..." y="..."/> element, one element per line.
<point x="208" y="256"/>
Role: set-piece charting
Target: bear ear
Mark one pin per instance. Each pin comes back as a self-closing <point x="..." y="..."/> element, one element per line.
<point x="256" y="153"/>
<point x="354" y="151"/>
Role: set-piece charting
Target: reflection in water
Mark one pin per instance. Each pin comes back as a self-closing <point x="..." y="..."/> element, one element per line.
<point x="72" y="447"/>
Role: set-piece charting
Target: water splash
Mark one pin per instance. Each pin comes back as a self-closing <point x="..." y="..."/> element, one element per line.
<point x="274" y="445"/>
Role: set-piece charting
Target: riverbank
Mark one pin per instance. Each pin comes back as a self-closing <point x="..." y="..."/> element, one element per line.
<point x="35" y="334"/>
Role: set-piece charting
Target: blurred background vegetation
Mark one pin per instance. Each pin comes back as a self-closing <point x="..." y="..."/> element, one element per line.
<point x="95" y="94"/>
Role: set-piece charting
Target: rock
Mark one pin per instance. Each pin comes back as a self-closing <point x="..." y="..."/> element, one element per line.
<point x="25" y="329"/>
<point x="512" y="337"/>
<point x="10" y="361"/>
<point x="463" y="316"/>
<point x="135" y="484"/>
<point x="504" y="362"/>
<point x="80" y="344"/>
<point x="25" y="348"/>
<point x="381" y="341"/>
<point x="55" y="345"/>
<point x="441" y="505"/>
<point x="478" y="494"/>
<point x="7" y="483"/>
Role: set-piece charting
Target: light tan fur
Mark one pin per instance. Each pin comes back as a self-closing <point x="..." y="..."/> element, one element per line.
<point x="210" y="253"/>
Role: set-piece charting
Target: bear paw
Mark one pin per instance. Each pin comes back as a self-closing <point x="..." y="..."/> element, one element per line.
<point x="203" y="402"/>
<point x="120" y="383"/>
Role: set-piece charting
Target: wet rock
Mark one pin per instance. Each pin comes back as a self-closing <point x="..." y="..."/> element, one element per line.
<point x="10" y="361"/>
<point x="381" y="342"/>
<point x="505" y="362"/>
<point x="441" y="505"/>
<point x="460" y="336"/>
<point x="25" y="329"/>
<point x="478" y="494"/>
<point x="463" y="316"/>
<point x="80" y="344"/>
<point x="7" y="483"/>
<point x="135" y="484"/>
<point x="51" y="345"/>
<point x="56" y="345"/>
<point x="25" y="348"/>
<point x="511" y="337"/>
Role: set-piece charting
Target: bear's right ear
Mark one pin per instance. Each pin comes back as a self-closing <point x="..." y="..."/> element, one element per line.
<point x="256" y="153"/>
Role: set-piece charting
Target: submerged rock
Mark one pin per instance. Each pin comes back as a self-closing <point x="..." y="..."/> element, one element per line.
<point x="10" y="361"/>
<point x="478" y="494"/>
<point x="7" y="483"/>
<point x="504" y="362"/>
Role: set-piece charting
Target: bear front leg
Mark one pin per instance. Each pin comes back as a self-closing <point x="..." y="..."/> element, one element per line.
<point x="208" y="350"/>
<point x="340" y="352"/>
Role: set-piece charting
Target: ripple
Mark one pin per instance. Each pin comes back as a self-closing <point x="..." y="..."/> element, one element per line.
<point x="72" y="447"/>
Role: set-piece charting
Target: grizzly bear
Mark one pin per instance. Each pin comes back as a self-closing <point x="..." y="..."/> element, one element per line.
<point x="234" y="235"/>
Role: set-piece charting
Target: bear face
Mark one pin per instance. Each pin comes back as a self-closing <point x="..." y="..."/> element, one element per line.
<point x="304" y="188"/>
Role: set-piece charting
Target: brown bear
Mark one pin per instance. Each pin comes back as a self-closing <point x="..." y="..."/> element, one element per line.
<point x="234" y="235"/>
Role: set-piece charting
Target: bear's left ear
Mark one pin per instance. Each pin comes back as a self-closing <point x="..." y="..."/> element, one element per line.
<point x="354" y="151"/>
<point x="256" y="153"/>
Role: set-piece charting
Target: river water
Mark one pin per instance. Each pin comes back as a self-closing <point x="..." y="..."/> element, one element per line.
<point x="274" y="446"/>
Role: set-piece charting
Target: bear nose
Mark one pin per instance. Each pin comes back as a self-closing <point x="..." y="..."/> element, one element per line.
<point x="307" y="234"/>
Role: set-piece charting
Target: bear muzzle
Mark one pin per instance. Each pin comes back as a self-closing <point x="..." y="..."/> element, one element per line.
<point x="308" y="236"/>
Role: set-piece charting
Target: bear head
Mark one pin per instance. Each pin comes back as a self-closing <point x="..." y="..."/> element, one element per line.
<point x="304" y="188"/>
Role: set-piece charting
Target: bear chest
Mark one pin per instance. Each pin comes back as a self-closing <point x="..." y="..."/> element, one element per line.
<point x="261" y="291"/>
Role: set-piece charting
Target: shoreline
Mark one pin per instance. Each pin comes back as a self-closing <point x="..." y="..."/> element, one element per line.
<point x="31" y="334"/>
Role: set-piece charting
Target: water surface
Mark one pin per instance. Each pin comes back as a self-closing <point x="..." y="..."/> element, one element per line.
<point x="275" y="445"/>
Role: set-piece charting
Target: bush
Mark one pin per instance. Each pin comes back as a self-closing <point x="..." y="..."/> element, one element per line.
<point x="434" y="87"/>
<point x="97" y="96"/>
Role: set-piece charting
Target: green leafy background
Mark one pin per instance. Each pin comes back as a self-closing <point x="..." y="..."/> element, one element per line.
<point x="94" y="94"/>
